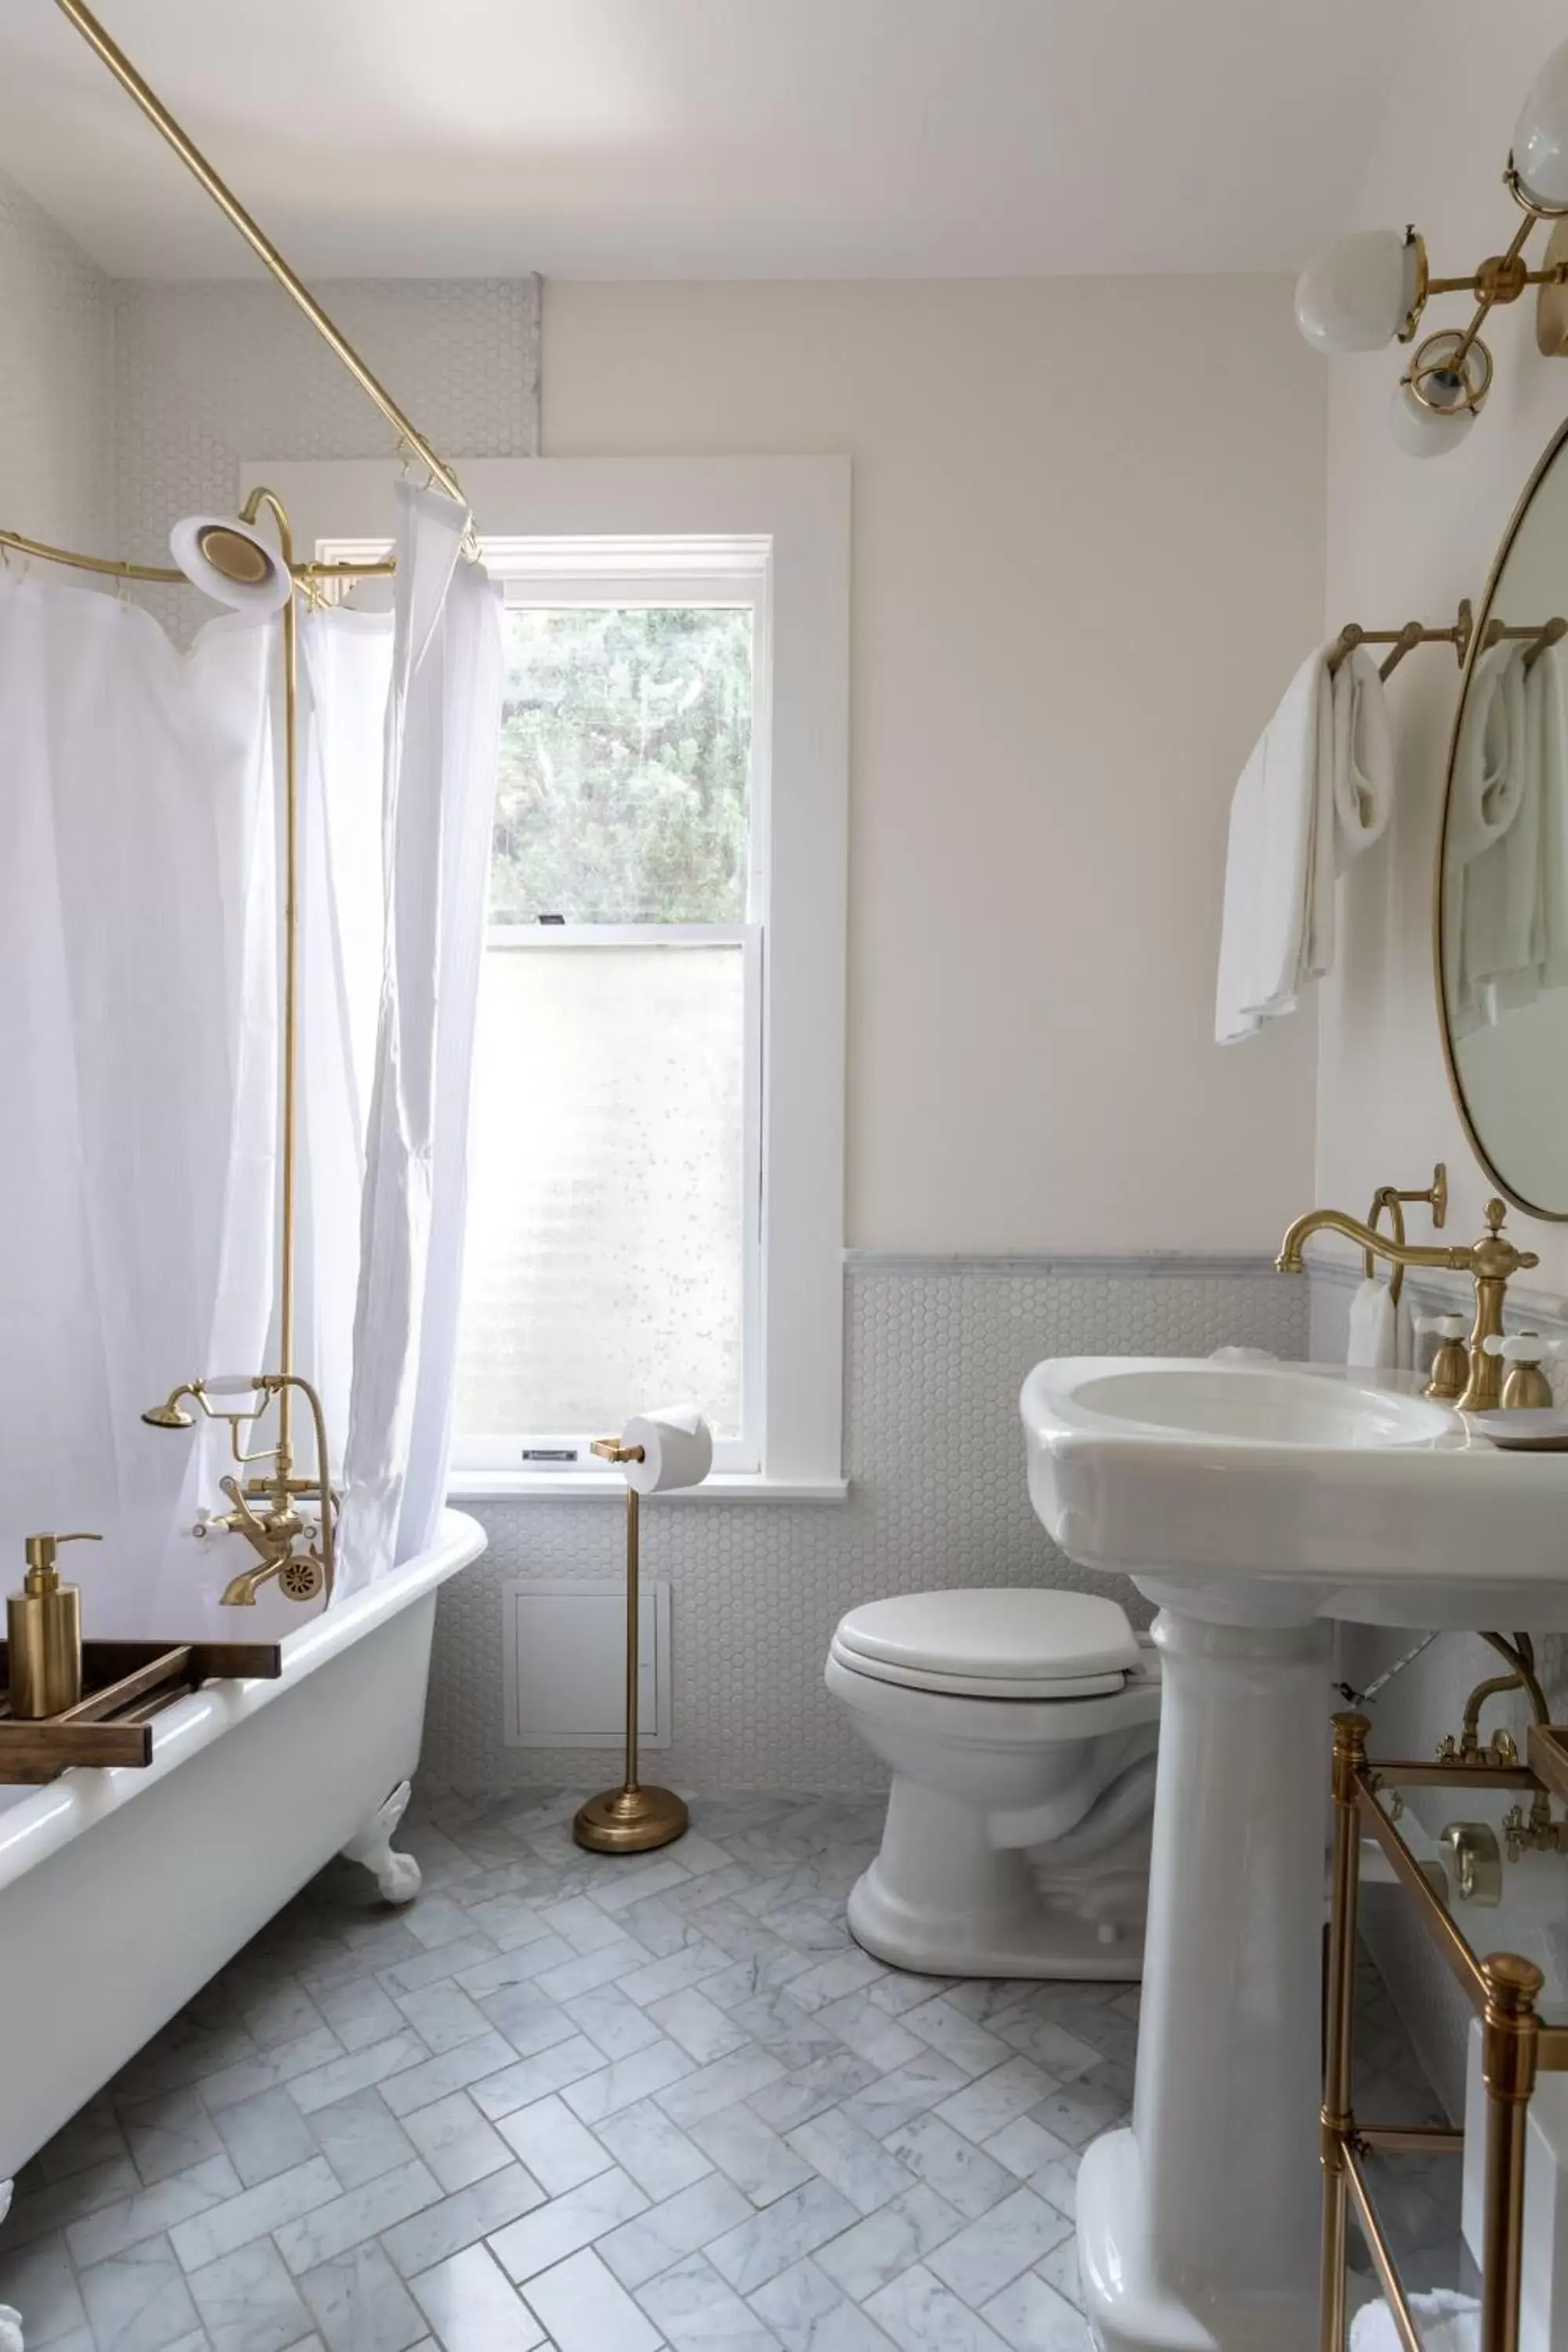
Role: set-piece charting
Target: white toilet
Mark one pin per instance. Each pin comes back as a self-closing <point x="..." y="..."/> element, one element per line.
<point x="1021" y="1728"/>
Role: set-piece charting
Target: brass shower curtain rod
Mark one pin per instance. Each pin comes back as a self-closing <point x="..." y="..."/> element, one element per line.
<point x="409" y="437"/>
<point x="168" y="574"/>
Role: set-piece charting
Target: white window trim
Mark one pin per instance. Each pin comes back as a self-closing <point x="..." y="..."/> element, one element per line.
<point x="800" y="506"/>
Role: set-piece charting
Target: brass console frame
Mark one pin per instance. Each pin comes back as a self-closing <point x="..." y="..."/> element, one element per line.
<point x="1516" y="2046"/>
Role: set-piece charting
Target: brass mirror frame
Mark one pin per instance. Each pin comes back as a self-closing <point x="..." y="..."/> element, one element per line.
<point x="1477" y="645"/>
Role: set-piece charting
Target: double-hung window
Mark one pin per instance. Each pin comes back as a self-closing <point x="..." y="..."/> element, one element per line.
<point x="657" y="1163"/>
<point x="614" y="1251"/>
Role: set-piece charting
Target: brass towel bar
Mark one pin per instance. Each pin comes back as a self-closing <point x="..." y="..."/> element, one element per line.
<point x="1388" y="1196"/>
<point x="1544" y="633"/>
<point x="1405" y="640"/>
<point x="1415" y="633"/>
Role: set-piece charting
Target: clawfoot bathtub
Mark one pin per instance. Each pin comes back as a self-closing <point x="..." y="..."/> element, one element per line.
<point x="121" y="1893"/>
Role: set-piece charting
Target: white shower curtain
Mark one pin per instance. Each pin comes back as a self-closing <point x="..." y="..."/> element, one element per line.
<point x="137" y="1051"/>
<point x="135" y="856"/>
<point x="442" y="739"/>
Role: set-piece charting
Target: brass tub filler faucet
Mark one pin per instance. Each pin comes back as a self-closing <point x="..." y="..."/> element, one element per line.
<point x="297" y="1551"/>
<point x="1492" y="1263"/>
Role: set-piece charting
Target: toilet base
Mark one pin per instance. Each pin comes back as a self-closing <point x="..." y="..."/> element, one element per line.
<point x="1011" y="1929"/>
<point x="1016" y="1837"/>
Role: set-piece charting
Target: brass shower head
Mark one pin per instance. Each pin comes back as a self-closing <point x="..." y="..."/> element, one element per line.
<point x="171" y="1414"/>
<point x="236" y="554"/>
<point x="226" y="557"/>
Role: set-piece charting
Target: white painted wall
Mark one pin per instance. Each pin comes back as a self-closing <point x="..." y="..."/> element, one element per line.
<point x="1089" y="530"/>
<point x="54" y="382"/>
<point x="1406" y="539"/>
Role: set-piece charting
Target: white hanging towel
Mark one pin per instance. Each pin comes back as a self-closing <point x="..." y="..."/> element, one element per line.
<point x="1492" y="847"/>
<point x="1548" y="738"/>
<point x="1375" y="1327"/>
<point x="1316" y="793"/>
<point x="1449" y="2322"/>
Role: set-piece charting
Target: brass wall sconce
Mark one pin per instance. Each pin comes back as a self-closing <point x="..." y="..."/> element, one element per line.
<point x="1372" y="288"/>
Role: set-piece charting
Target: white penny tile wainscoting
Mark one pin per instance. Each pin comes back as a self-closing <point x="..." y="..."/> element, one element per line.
<point x="936" y="1352"/>
<point x="597" y="2105"/>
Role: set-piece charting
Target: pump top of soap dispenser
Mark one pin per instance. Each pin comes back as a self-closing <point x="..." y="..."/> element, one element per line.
<point x="43" y="1567"/>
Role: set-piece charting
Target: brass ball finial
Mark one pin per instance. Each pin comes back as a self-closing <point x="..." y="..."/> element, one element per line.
<point x="1513" y="1984"/>
<point x="1496" y="1212"/>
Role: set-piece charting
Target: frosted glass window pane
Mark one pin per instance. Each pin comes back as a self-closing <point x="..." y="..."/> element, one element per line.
<point x="605" y="1259"/>
<point x="625" y="752"/>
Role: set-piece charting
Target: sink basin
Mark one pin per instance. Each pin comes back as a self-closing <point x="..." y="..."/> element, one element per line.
<point x="1193" y="1472"/>
<point x="1258" y="1405"/>
<point x="1253" y="1500"/>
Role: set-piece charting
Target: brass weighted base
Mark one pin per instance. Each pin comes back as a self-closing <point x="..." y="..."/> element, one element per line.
<point x="630" y="1821"/>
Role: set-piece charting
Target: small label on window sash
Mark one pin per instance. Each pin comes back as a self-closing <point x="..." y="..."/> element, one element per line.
<point x="550" y="1453"/>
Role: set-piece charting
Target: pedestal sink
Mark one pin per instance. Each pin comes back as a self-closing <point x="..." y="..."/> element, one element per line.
<point x="1254" y="1503"/>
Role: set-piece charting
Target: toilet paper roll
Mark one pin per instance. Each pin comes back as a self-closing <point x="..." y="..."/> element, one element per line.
<point x="678" y="1449"/>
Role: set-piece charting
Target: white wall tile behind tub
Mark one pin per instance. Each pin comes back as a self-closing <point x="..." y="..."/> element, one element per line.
<point x="936" y="1353"/>
<point x="209" y="373"/>
<point x="56" y="444"/>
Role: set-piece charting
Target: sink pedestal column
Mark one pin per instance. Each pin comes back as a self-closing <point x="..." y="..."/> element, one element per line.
<point x="1198" y="2226"/>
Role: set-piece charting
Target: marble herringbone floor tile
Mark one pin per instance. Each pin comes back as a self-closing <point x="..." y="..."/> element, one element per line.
<point x="566" y="2104"/>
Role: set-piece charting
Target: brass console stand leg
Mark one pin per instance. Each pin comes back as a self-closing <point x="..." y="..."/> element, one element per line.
<point x="1510" y="2034"/>
<point x="1515" y="2047"/>
<point x="1350" y="1757"/>
<point x="631" y="1818"/>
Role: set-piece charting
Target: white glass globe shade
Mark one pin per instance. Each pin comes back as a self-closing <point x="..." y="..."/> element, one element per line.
<point x="1423" y="432"/>
<point x="1356" y="294"/>
<point x="1540" y="137"/>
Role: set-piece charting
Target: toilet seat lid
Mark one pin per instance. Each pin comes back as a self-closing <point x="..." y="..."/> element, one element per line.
<point x="1019" y="1639"/>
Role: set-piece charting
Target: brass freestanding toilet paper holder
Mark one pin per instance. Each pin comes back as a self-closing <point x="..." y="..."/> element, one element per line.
<point x="630" y="1819"/>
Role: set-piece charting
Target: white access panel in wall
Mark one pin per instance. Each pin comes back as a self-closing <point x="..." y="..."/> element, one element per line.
<point x="565" y="1658"/>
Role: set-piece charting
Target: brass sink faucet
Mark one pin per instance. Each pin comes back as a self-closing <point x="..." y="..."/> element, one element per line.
<point x="1490" y="1264"/>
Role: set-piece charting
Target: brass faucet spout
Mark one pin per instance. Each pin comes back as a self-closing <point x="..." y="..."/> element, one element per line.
<point x="1318" y="1221"/>
<point x="240" y="1591"/>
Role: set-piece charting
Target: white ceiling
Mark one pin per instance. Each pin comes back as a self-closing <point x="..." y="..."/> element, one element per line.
<point x="708" y="138"/>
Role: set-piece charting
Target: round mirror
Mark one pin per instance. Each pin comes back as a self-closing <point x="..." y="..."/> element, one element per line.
<point x="1502" y="865"/>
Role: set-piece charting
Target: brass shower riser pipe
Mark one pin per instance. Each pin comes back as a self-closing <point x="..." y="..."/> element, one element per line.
<point x="287" y="1213"/>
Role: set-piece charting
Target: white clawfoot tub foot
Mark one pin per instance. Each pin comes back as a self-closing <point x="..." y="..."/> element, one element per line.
<point x="396" y="1875"/>
<point x="10" y="2320"/>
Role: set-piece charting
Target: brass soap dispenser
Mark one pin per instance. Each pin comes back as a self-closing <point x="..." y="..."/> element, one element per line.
<point x="43" y="1623"/>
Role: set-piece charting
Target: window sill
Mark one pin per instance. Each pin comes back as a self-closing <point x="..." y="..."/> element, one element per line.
<point x="603" y="1486"/>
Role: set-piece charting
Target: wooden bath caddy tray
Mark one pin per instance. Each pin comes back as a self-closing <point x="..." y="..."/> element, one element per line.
<point x="124" y="1686"/>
